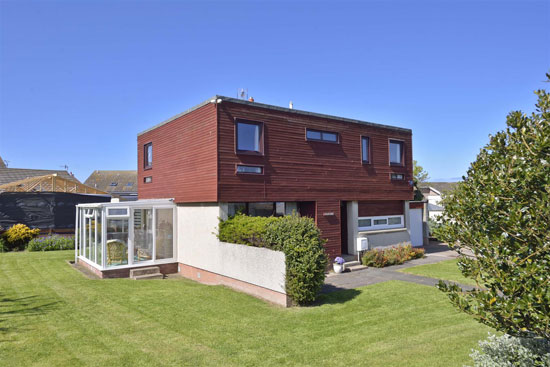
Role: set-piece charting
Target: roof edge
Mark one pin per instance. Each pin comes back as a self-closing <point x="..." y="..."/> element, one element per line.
<point x="275" y="108"/>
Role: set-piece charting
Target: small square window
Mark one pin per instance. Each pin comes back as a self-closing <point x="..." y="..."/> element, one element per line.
<point x="250" y="169"/>
<point x="364" y="222"/>
<point x="249" y="135"/>
<point x="378" y="222"/>
<point x="397" y="176"/>
<point x="148" y="179"/>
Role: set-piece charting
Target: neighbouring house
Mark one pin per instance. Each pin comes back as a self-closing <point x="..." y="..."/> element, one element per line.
<point x="226" y="155"/>
<point x="121" y="184"/>
<point x="434" y="192"/>
<point x="43" y="199"/>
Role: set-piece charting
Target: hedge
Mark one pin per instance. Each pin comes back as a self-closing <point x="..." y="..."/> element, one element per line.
<point x="394" y="255"/>
<point x="297" y="237"/>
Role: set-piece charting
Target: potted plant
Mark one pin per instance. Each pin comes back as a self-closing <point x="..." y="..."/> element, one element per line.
<point x="338" y="265"/>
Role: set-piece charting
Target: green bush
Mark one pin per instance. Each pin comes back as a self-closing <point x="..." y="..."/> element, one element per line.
<point x="297" y="237"/>
<point x="507" y="350"/>
<point x="51" y="243"/>
<point x="394" y="255"/>
<point x="3" y="246"/>
<point x="306" y="260"/>
<point x="18" y="236"/>
<point x="244" y="230"/>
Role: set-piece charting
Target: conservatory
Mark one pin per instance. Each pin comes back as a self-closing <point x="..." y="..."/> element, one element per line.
<point x="111" y="236"/>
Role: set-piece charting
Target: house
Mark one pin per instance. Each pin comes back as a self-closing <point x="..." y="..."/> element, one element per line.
<point x="44" y="199"/>
<point x="225" y="155"/>
<point x="434" y="192"/>
<point x="122" y="184"/>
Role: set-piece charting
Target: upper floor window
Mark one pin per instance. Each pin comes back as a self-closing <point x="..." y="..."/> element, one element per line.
<point x="317" y="135"/>
<point x="396" y="152"/>
<point x="249" y="136"/>
<point x="365" y="147"/>
<point x="148" y="155"/>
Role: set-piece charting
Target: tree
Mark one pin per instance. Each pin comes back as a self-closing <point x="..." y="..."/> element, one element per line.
<point x="501" y="214"/>
<point x="419" y="174"/>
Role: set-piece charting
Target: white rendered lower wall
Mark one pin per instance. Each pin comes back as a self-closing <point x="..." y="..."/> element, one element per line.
<point x="386" y="238"/>
<point x="199" y="247"/>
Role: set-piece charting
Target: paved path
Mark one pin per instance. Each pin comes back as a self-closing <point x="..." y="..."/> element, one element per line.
<point x="435" y="252"/>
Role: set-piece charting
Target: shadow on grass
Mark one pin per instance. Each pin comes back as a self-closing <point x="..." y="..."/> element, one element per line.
<point x="331" y="295"/>
<point x="22" y="306"/>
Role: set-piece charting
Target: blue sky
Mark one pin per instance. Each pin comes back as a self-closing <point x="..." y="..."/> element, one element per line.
<point x="80" y="79"/>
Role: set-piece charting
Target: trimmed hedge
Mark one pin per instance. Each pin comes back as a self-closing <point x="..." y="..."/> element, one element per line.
<point x="51" y="243"/>
<point x="395" y="255"/>
<point x="244" y="230"/>
<point x="297" y="237"/>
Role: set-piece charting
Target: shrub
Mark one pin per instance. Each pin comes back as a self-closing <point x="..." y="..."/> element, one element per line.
<point x="51" y="243"/>
<point x="500" y="214"/>
<point x="17" y="237"/>
<point x="507" y="350"/>
<point x="244" y="230"/>
<point x="3" y="246"/>
<point x="394" y="255"/>
<point x="306" y="260"/>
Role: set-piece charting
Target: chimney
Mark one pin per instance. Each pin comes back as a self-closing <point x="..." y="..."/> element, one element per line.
<point x="291" y="105"/>
<point x="251" y="99"/>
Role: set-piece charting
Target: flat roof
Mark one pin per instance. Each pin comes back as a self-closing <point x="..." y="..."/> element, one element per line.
<point x="274" y="108"/>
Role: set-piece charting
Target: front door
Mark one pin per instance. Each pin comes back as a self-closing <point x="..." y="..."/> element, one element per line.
<point x="143" y="235"/>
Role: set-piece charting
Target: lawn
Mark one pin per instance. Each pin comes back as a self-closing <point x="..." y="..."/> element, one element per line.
<point x="51" y="315"/>
<point x="445" y="270"/>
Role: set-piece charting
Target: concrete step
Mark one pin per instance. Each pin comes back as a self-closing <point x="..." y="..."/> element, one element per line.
<point x="148" y="276"/>
<point x="356" y="268"/>
<point x="349" y="264"/>
<point x="144" y="271"/>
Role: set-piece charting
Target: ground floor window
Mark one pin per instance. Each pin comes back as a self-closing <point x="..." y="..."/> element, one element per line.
<point x="263" y="209"/>
<point x="380" y="222"/>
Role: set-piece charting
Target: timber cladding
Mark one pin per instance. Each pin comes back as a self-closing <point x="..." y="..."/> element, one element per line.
<point x="299" y="170"/>
<point x="184" y="164"/>
<point x="377" y="207"/>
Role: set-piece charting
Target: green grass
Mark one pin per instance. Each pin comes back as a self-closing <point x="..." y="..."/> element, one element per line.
<point x="51" y="315"/>
<point x="445" y="270"/>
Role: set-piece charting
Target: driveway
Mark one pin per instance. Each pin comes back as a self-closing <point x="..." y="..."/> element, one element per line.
<point x="435" y="252"/>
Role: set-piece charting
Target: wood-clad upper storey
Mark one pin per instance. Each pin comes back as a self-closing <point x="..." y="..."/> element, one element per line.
<point x="296" y="169"/>
<point x="184" y="158"/>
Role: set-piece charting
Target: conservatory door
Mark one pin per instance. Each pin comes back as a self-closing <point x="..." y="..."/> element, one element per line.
<point x="143" y="235"/>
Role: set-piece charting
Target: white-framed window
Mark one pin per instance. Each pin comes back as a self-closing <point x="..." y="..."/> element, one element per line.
<point x="118" y="212"/>
<point x="380" y="222"/>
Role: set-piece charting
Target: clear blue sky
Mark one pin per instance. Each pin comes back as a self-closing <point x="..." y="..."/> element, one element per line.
<point x="80" y="79"/>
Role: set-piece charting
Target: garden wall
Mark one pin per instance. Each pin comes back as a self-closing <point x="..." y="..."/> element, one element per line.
<point x="202" y="257"/>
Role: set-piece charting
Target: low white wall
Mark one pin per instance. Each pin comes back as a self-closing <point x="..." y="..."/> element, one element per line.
<point x="198" y="246"/>
<point x="386" y="237"/>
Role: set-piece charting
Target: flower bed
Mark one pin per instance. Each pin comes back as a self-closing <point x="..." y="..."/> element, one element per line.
<point x="394" y="255"/>
<point x="51" y="243"/>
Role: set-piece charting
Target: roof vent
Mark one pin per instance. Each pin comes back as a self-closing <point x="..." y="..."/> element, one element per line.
<point x="251" y="99"/>
<point x="290" y="105"/>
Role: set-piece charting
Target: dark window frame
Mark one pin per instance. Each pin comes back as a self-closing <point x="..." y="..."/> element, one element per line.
<point x="323" y="132"/>
<point x="249" y="173"/>
<point x="369" y="150"/>
<point x="402" y="143"/>
<point x="146" y="155"/>
<point x="261" y="142"/>
<point x="397" y="179"/>
<point x="147" y="177"/>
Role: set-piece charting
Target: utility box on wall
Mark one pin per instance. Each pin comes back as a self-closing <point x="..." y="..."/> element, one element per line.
<point x="362" y="244"/>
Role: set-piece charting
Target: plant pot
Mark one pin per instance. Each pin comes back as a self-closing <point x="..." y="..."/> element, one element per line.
<point x="338" y="268"/>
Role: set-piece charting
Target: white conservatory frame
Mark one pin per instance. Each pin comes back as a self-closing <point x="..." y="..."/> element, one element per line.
<point x="99" y="211"/>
